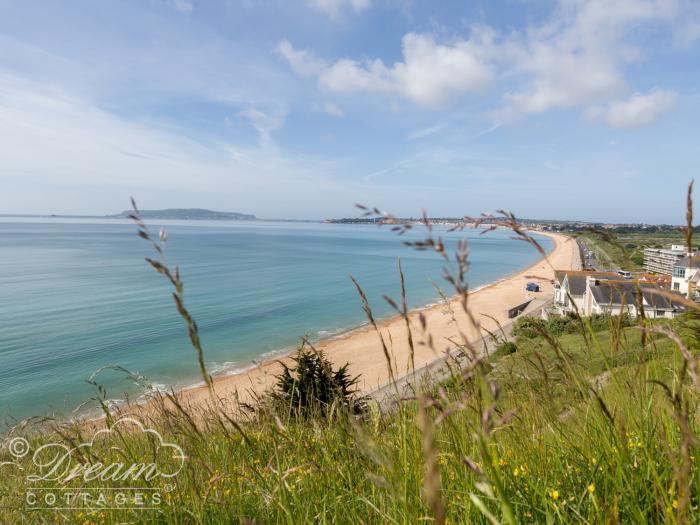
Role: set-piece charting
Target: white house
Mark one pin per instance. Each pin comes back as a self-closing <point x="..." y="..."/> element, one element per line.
<point x="686" y="274"/>
<point x="615" y="297"/>
<point x="570" y="287"/>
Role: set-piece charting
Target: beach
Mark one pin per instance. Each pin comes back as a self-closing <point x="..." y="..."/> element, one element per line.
<point x="445" y="323"/>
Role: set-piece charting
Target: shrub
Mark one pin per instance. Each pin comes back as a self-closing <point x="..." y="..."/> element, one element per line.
<point x="528" y="327"/>
<point x="531" y="327"/>
<point x="506" y="348"/>
<point x="312" y="386"/>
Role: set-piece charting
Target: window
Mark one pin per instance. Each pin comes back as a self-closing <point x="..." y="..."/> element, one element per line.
<point x="676" y="286"/>
<point x="678" y="271"/>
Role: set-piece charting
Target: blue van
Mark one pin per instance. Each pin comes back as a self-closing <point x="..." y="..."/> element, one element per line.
<point x="532" y="287"/>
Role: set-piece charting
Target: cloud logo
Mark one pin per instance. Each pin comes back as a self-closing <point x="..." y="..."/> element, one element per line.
<point x="102" y="458"/>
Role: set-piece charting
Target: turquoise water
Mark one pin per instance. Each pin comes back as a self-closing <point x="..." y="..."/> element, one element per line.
<point x="76" y="295"/>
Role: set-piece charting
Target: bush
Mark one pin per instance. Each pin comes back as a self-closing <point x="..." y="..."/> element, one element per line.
<point x="312" y="387"/>
<point x="505" y="348"/>
<point x="529" y="327"/>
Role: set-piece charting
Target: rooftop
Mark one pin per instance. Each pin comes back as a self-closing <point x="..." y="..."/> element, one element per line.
<point x="689" y="261"/>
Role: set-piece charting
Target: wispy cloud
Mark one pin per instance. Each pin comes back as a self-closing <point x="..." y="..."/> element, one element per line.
<point x="334" y="8"/>
<point x="264" y="124"/>
<point x="333" y="110"/>
<point x="426" y="132"/>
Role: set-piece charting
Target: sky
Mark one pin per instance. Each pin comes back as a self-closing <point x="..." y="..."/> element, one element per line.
<point x="562" y="109"/>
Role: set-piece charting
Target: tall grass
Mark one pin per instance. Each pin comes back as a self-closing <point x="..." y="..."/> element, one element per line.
<point x="587" y="421"/>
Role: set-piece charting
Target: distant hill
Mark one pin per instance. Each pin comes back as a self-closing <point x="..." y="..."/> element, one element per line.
<point x="197" y="214"/>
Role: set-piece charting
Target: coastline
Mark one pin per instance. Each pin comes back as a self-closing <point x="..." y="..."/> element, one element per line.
<point x="361" y="348"/>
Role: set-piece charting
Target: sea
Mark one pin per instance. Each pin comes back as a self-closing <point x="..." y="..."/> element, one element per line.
<point x="76" y="295"/>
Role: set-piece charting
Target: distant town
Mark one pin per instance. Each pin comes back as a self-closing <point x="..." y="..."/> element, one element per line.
<point x="534" y="224"/>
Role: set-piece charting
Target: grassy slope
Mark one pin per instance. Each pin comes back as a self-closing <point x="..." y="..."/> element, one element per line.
<point x="574" y="432"/>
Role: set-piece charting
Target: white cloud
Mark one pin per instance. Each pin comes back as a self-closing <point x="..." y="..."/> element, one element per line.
<point x="577" y="58"/>
<point x="302" y="62"/>
<point x="184" y="6"/>
<point x="430" y="74"/>
<point x="640" y="110"/>
<point x="333" y="110"/>
<point x="333" y="8"/>
<point x="264" y="124"/>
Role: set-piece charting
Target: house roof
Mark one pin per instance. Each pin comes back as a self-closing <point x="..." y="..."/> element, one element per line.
<point x="616" y="293"/>
<point x="689" y="261"/>
<point x="577" y="279"/>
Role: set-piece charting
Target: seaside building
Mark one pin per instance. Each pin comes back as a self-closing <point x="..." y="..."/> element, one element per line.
<point x="617" y="297"/>
<point x="663" y="260"/>
<point x="570" y="287"/>
<point x="590" y="293"/>
<point x="686" y="274"/>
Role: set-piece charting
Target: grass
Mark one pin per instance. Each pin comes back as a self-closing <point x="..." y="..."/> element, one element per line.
<point x="595" y="422"/>
<point x="568" y="436"/>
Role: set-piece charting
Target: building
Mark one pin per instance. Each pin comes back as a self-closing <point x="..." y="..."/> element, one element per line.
<point x="616" y="297"/>
<point x="663" y="260"/>
<point x="570" y="287"/>
<point x="660" y="279"/>
<point x="590" y="293"/>
<point x="686" y="274"/>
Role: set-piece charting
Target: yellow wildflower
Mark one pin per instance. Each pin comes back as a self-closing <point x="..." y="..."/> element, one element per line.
<point x="591" y="488"/>
<point x="554" y="494"/>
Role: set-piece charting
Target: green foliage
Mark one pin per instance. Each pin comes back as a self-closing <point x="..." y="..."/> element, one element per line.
<point x="505" y="348"/>
<point x="594" y="440"/>
<point x="637" y="258"/>
<point x="531" y="327"/>
<point x="312" y="386"/>
<point x="528" y="327"/>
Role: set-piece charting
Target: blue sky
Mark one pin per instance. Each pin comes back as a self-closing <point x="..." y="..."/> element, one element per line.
<point x="581" y="109"/>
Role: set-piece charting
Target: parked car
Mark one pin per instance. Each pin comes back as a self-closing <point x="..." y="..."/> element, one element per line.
<point x="532" y="287"/>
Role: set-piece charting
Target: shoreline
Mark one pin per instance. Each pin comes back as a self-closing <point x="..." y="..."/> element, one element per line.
<point x="361" y="348"/>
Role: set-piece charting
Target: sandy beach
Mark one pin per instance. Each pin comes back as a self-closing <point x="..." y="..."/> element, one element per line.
<point x="445" y="323"/>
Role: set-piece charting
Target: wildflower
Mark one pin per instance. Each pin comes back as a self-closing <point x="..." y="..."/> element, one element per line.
<point x="516" y="472"/>
<point x="502" y="462"/>
<point x="675" y="504"/>
<point x="523" y="470"/>
<point x="554" y="494"/>
<point x="593" y="461"/>
<point x="591" y="488"/>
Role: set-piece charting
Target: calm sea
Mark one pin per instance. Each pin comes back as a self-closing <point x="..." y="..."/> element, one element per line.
<point x="76" y="295"/>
